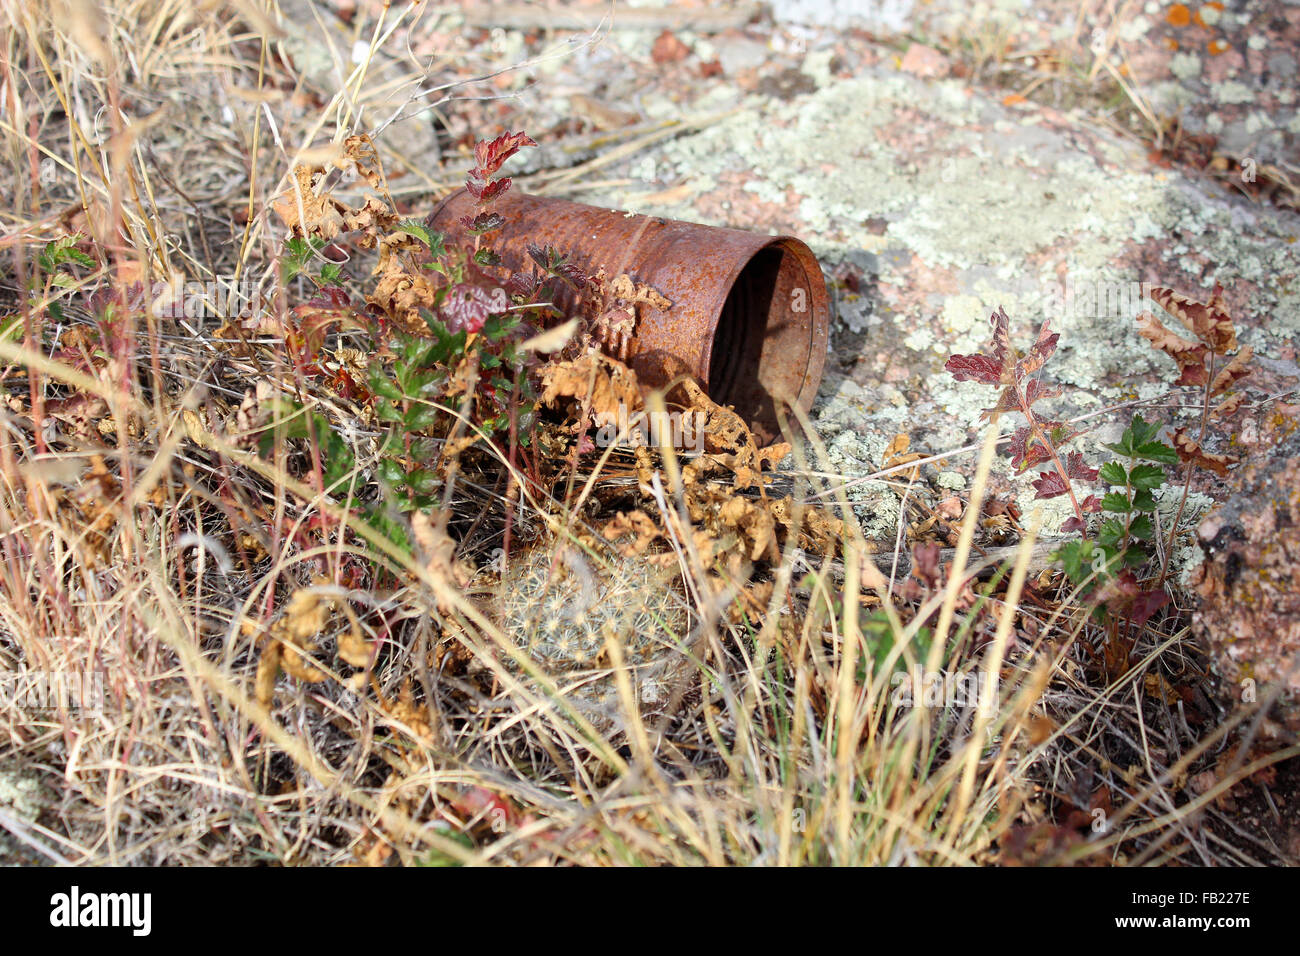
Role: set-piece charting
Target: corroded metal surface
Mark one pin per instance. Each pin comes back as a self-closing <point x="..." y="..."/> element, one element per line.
<point x="749" y="315"/>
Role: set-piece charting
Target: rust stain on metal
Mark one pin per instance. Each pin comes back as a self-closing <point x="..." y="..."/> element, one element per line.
<point x="749" y="316"/>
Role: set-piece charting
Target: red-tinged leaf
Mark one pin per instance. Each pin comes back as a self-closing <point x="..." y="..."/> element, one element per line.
<point x="522" y="284"/>
<point x="1050" y="484"/>
<point x="573" y="274"/>
<point x="996" y="368"/>
<point x="487" y="190"/>
<point x="491" y="155"/>
<point x="1078" y="469"/>
<point x="1073" y="524"/>
<point x="925" y="563"/>
<point x="484" y="804"/>
<point x="975" y="368"/>
<point x="1189" y="355"/>
<point x="1090" y="505"/>
<point x="468" y="306"/>
<point x="1208" y="321"/>
<point x="1008" y="401"/>
<point x="1027" y="451"/>
<point x="1190" y="452"/>
<point x="1036" y="391"/>
<point x="1229" y="405"/>
<point x="1003" y="352"/>
<point x="1041" y="351"/>
<point x="487" y="221"/>
<point x="1145" y="604"/>
<point x="1233" y="372"/>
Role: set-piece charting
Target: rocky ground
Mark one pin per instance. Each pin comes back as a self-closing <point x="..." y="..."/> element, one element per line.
<point x="942" y="160"/>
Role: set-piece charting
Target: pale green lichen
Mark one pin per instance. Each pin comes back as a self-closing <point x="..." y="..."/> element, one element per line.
<point x="21" y="793"/>
<point x="1185" y="66"/>
<point x="1233" y="91"/>
<point x="952" y="480"/>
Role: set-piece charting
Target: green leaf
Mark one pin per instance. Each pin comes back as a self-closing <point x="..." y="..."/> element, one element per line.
<point x="297" y="253"/>
<point x="381" y="384"/>
<point x="1113" y="473"/>
<point x="497" y="327"/>
<point x="377" y="517"/>
<point x="1110" y="533"/>
<point x="1148" y="477"/>
<point x="390" y="472"/>
<point x="433" y="240"/>
<point x="11" y="328"/>
<point x="1141" y="528"/>
<point x="1143" y="500"/>
<point x="1157" y="451"/>
<point x="420" y="417"/>
<point x="1076" y="559"/>
<point x="58" y="251"/>
<point x="1116" y="503"/>
<point x="423" y="481"/>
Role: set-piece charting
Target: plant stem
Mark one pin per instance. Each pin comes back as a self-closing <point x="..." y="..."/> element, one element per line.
<point x="1051" y="449"/>
<point x="1187" y="477"/>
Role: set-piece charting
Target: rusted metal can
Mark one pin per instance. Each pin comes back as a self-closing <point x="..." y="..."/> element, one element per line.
<point x="749" y="315"/>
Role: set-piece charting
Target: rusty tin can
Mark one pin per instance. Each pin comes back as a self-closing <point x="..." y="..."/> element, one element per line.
<point x="749" y="316"/>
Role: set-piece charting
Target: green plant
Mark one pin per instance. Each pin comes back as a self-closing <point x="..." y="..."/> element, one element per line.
<point x="446" y="335"/>
<point x="1105" y="560"/>
<point x="1122" y="540"/>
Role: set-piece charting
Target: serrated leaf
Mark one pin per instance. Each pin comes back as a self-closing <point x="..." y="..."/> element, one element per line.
<point x="1157" y="451"/>
<point x="1148" y="477"/>
<point x="1110" y="532"/>
<point x="381" y="384"/>
<point x="1049" y="484"/>
<point x="1115" y="502"/>
<point x="420" y="417"/>
<point x="1077" y="468"/>
<point x="975" y="368"/>
<point x="1113" y="473"/>
<point x="432" y="240"/>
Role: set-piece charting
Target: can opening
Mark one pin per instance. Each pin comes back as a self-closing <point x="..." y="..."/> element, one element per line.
<point x="766" y="334"/>
<point x="737" y="354"/>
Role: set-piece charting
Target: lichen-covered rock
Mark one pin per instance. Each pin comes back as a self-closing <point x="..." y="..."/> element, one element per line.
<point x="1249" y="582"/>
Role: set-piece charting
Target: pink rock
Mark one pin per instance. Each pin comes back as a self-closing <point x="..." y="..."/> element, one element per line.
<point x="925" y="61"/>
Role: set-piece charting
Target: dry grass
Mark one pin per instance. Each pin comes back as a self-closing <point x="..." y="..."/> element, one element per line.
<point x="147" y="549"/>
